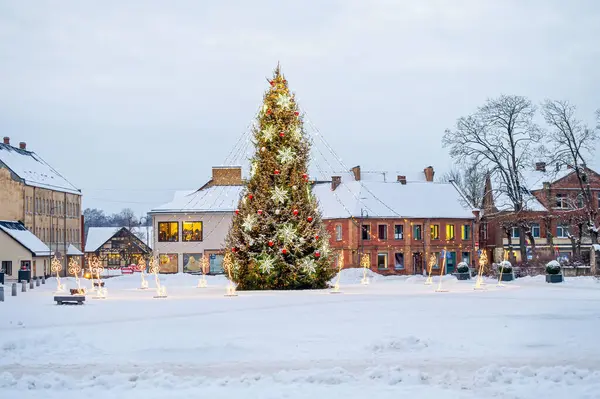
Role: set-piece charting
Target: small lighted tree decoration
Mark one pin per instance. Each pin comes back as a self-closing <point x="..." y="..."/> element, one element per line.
<point x="431" y="264"/>
<point x="502" y="265"/>
<point x="204" y="264"/>
<point x="365" y="262"/>
<point x="439" y="288"/>
<point x="96" y="270"/>
<point x="228" y="264"/>
<point x="479" y="283"/>
<point x="56" y="267"/>
<point x="161" y="291"/>
<point x="142" y="266"/>
<point x="336" y="286"/>
<point x="75" y="270"/>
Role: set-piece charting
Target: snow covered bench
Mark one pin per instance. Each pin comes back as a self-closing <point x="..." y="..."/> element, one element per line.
<point x="62" y="299"/>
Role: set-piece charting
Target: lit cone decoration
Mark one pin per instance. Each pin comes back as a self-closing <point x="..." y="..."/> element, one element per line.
<point x="287" y="246"/>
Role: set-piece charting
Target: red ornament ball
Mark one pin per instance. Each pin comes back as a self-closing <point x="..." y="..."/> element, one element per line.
<point x="296" y="113"/>
<point x="281" y="134"/>
<point x="270" y="243"/>
<point x="272" y="83"/>
<point x="295" y="212"/>
<point x="250" y="196"/>
<point x="284" y="251"/>
<point x="309" y="218"/>
<point x="277" y="171"/>
<point x="234" y="249"/>
<point x="304" y="176"/>
<point x="317" y="254"/>
<point x="269" y="112"/>
<point x="237" y="211"/>
<point x="284" y="81"/>
<point x="259" y="211"/>
<point x="317" y="237"/>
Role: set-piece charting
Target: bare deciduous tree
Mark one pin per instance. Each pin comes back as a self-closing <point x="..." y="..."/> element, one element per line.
<point x="572" y="142"/>
<point x="501" y="137"/>
<point x="470" y="181"/>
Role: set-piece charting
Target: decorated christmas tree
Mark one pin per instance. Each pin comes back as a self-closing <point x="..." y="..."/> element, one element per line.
<point x="277" y="239"/>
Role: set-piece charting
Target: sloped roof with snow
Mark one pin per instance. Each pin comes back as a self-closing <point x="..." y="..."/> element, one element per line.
<point x="33" y="170"/>
<point x="98" y="236"/>
<point x="73" y="251"/>
<point x="391" y="200"/>
<point x="209" y="199"/>
<point x="26" y="238"/>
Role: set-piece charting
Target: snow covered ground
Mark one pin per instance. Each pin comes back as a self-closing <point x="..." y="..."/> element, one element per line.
<point x="393" y="338"/>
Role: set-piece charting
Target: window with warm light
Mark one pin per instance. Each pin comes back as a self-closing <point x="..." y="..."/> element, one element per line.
<point x="114" y="260"/>
<point x="435" y="231"/>
<point x="465" y="232"/>
<point x="450" y="232"/>
<point x="168" y="231"/>
<point x="191" y="231"/>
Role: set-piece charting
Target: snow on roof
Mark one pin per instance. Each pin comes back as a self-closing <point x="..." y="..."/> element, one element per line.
<point x="34" y="170"/>
<point x="98" y="236"/>
<point x="535" y="179"/>
<point x="25" y="237"/>
<point x="73" y="251"/>
<point x="390" y="200"/>
<point x="531" y="203"/>
<point x="209" y="199"/>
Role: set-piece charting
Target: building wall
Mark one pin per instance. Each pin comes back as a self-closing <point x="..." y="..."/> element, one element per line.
<point x="11" y="197"/>
<point x="11" y="250"/>
<point x="214" y="230"/>
<point x="415" y="252"/>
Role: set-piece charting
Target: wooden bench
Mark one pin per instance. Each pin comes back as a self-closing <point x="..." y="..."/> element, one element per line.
<point x="76" y="299"/>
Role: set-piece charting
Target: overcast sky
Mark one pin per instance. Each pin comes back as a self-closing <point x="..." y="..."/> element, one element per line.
<point x="131" y="100"/>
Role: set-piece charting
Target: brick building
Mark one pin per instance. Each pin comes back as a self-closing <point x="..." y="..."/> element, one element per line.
<point x="553" y="209"/>
<point x="35" y="194"/>
<point x="398" y="223"/>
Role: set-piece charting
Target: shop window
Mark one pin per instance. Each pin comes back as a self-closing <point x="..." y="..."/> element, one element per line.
<point x="435" y="231"/>
<point x="192" y="263"/>
<point x="168" y="231"/>
<point x="192" y="231"/>
<point x="466" y="257"/>
<point x="113" y="260"/>
<point x="168" y="263"/>
<point x="382" y="261"/>
<point x="399" y="260"/>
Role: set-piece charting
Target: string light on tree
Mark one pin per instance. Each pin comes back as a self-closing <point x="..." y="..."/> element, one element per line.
<point x="228" y="266"/>
<point x="142" y="268"/>
<point x="336" y="287"/>
<point x="205" y="265"/>
<point x="154" y="267"/>
<point x="75" y="269"/>
<point x="432" y="262"/>
<point x="280" y="251"/>
<point x="479" y="284"/>
<point x="365" y="263"/>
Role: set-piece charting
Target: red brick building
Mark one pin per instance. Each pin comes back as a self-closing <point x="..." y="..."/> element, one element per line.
<point x="553" y="212"/>
<point x="398" y="223"/>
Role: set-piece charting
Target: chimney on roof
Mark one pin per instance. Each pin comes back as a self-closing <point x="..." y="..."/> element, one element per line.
<point x="429" y="173"/>
<point x="23" y="145"/>
<point x="226" y="176"/>
<point x="540" y="166"/>
<point x="335" y="182"/>
<point x="356" y="171"/>
<point x="401" y="179"/>
<point x="6" y="140"/>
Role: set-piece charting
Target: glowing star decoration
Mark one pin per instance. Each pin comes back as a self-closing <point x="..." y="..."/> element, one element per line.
<point x="266" y="264"/>
<point x="249" y="222"/>
<point x="296" y="133"/>
<point x="432" y="262"/>
<point x="364" y="262"/>
<point x="142" y="268"/>
<point x="308" y="265"/>
<point x="161" y="291"/>
<point x="56" y="267"/>
<point x="336" y="287"/>
<point x="228" y="266"/>
<point x="284" y="101"/>
<point x="286" y="155"/>
<point x="325" y="248"/>
<point x="268" y="133"/>
<point x="279" y="195"/>
<point x="75" y="269"/>
<point x="205" y="264"/>
<point x="287" y="233"/>
<point x="479" y="284"/>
